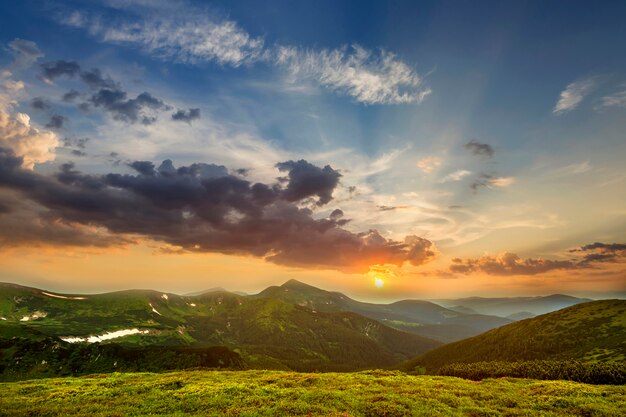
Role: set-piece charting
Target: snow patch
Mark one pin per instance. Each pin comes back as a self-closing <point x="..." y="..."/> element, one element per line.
<point x="154" y="309"/>
<point x="2" y="318"/>
<point x="62" y="296"/>
<point x="105" y="336"/>
<point x="192" y="304"/>
<point x="164" y="296"/>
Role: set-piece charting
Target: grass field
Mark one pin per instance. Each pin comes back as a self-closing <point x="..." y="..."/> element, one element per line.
<point x="276" y="393"/>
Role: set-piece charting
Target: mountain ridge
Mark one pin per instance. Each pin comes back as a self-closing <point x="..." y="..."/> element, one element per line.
<point x="590" y="332"/>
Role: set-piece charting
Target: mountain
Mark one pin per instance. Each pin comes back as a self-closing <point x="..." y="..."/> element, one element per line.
<point x="214" y="289"/>
<point x="267" y="332"/>
<point x="419" y="317"/>
<point x="504" y="307"/>
<point x="594" y="331"/>
<point x="522" y="315"/>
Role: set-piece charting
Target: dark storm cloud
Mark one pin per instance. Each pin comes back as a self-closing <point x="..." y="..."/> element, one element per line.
<point x="25" y="53"/>
<point x="108" y="94"/>
<point x="40" y="103"/>
<point x="50" y="71"/>
<point x="479" y="149"/>
<point x="242" y="171"/>
<point x="70" y="96"/>
<point x="511" y="264"/>
<point x="186" y="116"/>
<point x="201" y="208"/>
<point x="94" y="79"/>
<point x="605" y="247"/>
<point x="602" y="252"/>
<point x="128" y="110"/>
<point x="143" y="167"/>
<point x="56" y="122"/>
<point x="307" y="180"/>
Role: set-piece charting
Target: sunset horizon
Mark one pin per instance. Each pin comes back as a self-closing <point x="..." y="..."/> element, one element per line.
<point x="386" y="189"/>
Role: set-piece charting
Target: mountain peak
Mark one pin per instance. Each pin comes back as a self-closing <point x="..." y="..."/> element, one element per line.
<point x="294" y="283"/>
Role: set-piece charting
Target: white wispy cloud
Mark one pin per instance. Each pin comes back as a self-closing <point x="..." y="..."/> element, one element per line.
<point x="189" y="40"/>
<point x="457" y="175"/>
<point x="192" y="36"/>
<point x="370" y="77"/>
<point x="573" y="95"/>
<point x="617" y="99"/>
<point x="572" y="169"/>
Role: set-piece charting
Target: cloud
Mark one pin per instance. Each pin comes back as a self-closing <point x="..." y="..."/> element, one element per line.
<point x="34" y="146"/>
<point x="490" y="181"/>
<point x="609" y="247"/>
<point x="80" y="143"/>
<point x="109" y="95"/>
<point x="40" y="103"/>
<point x="185" y="38"/>
<point x="573" y="95"/>
<point x="507" y="264"/>
<point x="186" y="116"/>
<point x="306" y="180"/>
<point x="457" y="175"/>
<point x="56" y="122"/>
<point x="94" y="79"/>
<point x="193" y="36"/>
<point x="510" y="264"/>
<point x="601" y="252"/>
<point x="617" y="99"/>
<point x="479" y="149"/>
<point x="25" y="223"/>
<point x="70" y="96"/>
<point x="370" y="77"/>
<point x="572" y="169"/>
<point x="128" y="110"/>
<point x="50" y="71"/>
<point x="25" y="53"/>
<point x="428" y="164"/>
<point x="200" y="208"/>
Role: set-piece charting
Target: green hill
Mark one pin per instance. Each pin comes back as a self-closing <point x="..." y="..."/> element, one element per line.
<point x="419" y="317"/>
<point x="588" y="332"/>
<point x="267" y="332"/>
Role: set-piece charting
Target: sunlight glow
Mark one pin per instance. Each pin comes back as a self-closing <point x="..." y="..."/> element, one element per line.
<point x="379" y="283"/>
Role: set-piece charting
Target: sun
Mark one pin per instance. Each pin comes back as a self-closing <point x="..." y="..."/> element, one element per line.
<point x="378" y="282"/>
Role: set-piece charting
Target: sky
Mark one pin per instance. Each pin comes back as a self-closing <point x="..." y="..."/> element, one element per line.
<point x="405" y="149"/>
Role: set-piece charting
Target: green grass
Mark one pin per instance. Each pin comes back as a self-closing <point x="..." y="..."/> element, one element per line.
<point x="275" y="393"/>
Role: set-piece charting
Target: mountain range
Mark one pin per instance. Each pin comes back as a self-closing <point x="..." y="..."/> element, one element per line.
<point x="292" y="326"/>
<point x="522" y="307"/>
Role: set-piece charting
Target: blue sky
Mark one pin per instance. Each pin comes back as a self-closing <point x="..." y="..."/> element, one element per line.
<point x="484" y="128"/>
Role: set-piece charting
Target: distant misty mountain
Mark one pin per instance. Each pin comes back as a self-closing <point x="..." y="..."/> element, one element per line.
<point x="505" y="307"/>
<point x="423" y="318"/>
<point x="214" y="289"/>
<point x="522" y="315"/>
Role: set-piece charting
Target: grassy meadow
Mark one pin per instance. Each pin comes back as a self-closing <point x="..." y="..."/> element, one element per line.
<point x="278" y="393"/>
